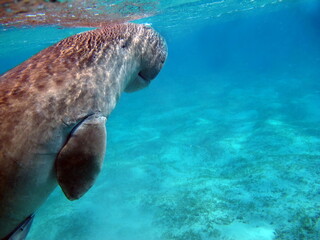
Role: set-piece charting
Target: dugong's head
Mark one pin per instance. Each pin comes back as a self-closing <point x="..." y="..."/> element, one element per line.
<point x="130" y="54"/>
<point x="151" y="50"/>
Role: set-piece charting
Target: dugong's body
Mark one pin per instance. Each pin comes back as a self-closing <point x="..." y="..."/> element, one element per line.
<point x="53" y="110"/>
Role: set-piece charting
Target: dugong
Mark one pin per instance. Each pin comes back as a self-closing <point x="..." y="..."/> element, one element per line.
<point x="53" y="113"/>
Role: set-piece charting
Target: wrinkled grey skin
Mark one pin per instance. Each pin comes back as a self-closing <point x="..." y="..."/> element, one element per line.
<point x="53" y="110"/>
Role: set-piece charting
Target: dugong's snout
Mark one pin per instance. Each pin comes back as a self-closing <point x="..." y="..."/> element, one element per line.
<point x="154" y="52"/>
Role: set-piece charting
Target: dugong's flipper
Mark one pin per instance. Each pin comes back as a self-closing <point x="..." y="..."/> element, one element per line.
<point x="20" y="233"/>
<point x="80" y="160"/>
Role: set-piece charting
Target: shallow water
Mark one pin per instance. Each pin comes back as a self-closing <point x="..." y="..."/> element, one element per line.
<point x="224" y="144"/>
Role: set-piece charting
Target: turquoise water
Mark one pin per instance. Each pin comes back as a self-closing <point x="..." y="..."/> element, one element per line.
<point x="224" y="144"/>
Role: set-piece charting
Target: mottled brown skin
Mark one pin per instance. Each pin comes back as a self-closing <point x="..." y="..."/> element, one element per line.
<point x="53" y="109"/>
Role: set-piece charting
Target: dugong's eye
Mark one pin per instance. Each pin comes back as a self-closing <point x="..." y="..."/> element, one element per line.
<point x="126" y="43"/>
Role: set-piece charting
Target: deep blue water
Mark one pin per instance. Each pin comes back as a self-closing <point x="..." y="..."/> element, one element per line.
<point x="224" y="144"/>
